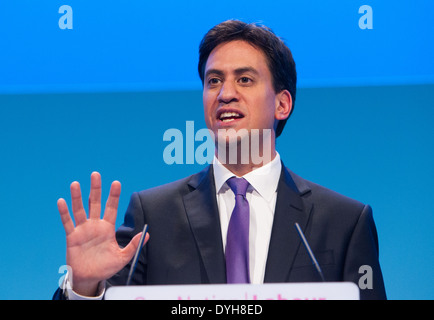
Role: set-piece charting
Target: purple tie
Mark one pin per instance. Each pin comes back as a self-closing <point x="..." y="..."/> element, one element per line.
<point x="237" y="242"/>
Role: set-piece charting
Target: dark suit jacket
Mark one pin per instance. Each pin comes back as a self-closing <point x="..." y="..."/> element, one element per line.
<point x="185" y="246"/>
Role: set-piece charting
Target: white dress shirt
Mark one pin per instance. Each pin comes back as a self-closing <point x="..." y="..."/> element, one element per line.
<point x="261" y="195"/>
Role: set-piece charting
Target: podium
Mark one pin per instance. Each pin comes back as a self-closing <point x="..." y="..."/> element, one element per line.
<point x="268" y="291"/>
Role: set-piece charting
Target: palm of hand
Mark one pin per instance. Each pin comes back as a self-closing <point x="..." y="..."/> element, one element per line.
<point x="92" y="251"/>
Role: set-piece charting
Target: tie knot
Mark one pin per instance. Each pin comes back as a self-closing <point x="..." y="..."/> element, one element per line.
<point x="238" y="185"/>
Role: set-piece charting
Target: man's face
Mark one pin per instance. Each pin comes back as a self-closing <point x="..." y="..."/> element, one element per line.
<point x="238" y="91"/>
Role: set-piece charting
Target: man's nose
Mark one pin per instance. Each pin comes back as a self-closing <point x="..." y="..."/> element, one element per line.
<point x="228" y="93"/>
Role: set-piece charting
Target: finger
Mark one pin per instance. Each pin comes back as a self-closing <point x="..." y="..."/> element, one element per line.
<point x="77" y="204"/>
<point x="111" y="207"/>
<point x="68" y="225"/>
<point x="95" y="196"/>
<point x="131" y="248"/>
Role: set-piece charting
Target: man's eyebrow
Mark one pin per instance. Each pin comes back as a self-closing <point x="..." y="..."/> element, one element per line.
<point x="237" y="71"/>
<point x="242" y="70"/>
<point x="214" y="71"/>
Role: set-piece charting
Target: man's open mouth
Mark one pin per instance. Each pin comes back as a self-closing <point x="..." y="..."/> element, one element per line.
<point x="227" y="116"/>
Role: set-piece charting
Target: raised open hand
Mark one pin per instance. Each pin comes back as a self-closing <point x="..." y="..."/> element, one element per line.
<point x="92" y="251"/>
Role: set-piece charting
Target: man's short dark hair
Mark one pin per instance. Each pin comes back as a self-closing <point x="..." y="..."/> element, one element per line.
<point x="279" y="57"/>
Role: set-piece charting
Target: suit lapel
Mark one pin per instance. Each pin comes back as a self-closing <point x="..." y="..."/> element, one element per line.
<point x="284" y="242"/>
<point x="202" y="212"/>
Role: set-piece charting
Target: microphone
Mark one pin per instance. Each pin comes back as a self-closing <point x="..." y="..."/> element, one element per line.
<point x="312" y="257"/>
<point x="136" y="256"/>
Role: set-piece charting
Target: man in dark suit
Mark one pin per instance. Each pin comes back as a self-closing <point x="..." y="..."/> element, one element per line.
<point x="234" y="221"/>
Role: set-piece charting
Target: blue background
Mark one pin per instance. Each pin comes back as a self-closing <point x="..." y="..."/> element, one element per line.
<point x="100" y="97"/>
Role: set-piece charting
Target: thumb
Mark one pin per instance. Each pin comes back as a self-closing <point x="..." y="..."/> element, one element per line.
<point x="131" y="248"/>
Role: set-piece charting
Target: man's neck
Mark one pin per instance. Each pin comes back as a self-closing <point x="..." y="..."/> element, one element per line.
<point x="243" y="153"/>
<point x="240" y="169"/>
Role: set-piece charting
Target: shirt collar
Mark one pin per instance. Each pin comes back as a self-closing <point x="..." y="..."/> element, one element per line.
<point x="263" y="179"/>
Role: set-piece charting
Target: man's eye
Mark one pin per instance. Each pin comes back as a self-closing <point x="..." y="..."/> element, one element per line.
<point x="245" y="80"/>
<point x="213" y="81"/>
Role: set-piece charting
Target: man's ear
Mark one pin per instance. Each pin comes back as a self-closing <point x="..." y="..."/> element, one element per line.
<point x="283" y="105"/>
